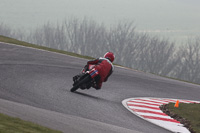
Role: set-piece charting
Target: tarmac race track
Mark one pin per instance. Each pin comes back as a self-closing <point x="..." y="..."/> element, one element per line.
<point x="35" y="85"/>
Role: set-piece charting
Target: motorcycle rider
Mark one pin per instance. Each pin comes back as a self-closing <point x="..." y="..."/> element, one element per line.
<point x="101" y="69"/>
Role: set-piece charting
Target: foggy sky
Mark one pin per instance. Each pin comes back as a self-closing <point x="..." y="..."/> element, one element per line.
<point x="148" y="15"/>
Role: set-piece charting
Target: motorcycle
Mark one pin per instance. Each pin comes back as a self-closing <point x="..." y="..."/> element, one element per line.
<point x="86" y="79"/>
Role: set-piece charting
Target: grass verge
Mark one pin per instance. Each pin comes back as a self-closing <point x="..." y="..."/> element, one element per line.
<point x="15" y="125"/>
<point x="187" y="114"/>
<point x="17" y="42"/>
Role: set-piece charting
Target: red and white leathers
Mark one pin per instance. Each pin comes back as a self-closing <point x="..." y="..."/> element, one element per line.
<point x="103" y="67"/>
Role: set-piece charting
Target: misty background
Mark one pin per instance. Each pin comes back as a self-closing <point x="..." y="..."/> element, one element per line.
<point x="157" y="36"/>
<point x="176" y="19"/>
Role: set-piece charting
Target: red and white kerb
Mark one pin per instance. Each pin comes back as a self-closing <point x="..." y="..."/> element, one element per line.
<point x="148" y="109"/>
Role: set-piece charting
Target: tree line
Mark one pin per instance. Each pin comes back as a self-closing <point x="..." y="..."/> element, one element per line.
<point x="132" y="49"/>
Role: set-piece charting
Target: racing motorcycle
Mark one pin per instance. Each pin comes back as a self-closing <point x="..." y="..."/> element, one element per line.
<point x="86" y="79"/>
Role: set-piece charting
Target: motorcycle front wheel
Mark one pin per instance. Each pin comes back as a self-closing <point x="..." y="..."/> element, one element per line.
<point x="84" y="80"/>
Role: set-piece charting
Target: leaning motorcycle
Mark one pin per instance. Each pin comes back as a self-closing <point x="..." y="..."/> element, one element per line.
<point x="86" y="79"/>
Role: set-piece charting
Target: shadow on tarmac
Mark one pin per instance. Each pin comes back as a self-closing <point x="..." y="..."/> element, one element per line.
<point x="87" y="95"/>
<point x="95" y="97"/>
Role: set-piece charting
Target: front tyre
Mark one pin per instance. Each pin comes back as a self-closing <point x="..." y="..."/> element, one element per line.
<point x="74" y="88"/>
<point x="84" y="80"/>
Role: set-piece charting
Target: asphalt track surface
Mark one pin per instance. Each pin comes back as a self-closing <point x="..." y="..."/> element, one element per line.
<point x="35" y="85"/>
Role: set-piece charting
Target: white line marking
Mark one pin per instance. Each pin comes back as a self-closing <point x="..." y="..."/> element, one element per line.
<point x="148" y="109"/>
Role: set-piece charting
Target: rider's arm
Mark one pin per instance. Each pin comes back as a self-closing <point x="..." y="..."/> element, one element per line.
<point x="93" y="61"/>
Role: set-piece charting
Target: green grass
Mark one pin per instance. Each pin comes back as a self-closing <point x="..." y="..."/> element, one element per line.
<point x="191" y="112"/>
<point x="15" y="125"/>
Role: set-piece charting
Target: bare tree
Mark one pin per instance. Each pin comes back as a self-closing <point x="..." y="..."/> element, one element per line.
<point x="86" y="37"/>
<point x="60" y="40"/>
<point x="5" y="30"/>
<point x="188" y="68"/>
<point x="121" y="40"/>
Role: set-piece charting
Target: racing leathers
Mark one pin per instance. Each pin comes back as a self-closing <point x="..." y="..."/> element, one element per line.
<point x="104" y="67"/>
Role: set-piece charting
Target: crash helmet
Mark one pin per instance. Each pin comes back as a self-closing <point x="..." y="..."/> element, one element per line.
<point x="110" y="56"/>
